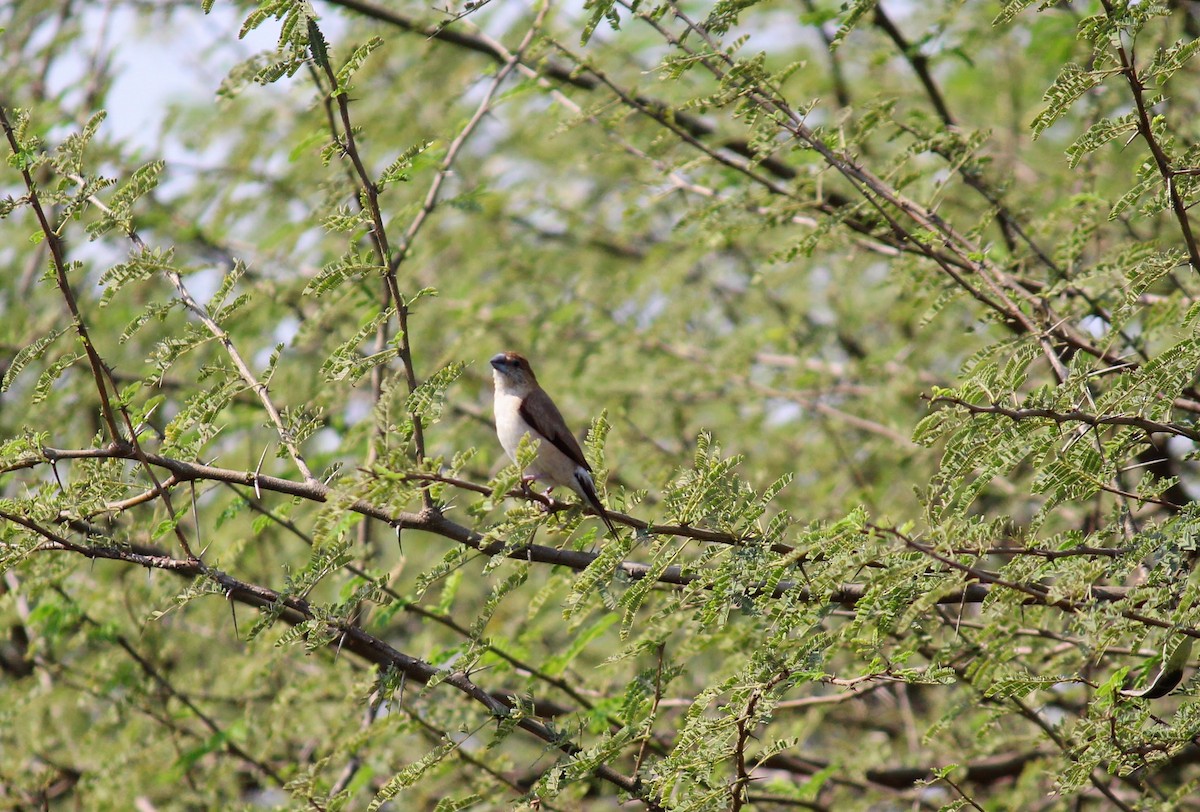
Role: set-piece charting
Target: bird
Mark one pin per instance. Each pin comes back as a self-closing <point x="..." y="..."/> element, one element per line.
<point x="523" y="408"/>
<point x="1170" y="673"/>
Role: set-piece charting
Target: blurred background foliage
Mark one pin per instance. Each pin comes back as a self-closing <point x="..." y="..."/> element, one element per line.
<point x="886" y="309"/>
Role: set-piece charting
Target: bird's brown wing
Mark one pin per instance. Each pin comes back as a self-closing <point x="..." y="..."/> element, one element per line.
<point x="539" y="411"/>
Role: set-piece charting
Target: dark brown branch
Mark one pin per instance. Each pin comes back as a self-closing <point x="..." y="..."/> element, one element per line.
<point x="988" y="770"/>
<point x="845" y="594"/>
<point x="888" y="202"/>
<point x="554" y="505"/>
<point x="995" y="287"/>
<point x="543" y="708"/>
<point x="745" y="730"/>
<point x="918" y="62"/>
<point x="1009" y="226"/>
<point x="429" y="521"/>
<point x="1036" y="719"/>
<point x="165" y="684"/>
<point x="369" y="199"/>
<point x="1074" y="416"/>
<point x="1036" y="594"/>
<point x="1161" y="160"/>
<point x="893" y="236"/>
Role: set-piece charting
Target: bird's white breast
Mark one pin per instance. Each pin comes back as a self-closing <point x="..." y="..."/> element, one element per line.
<point x="552" y="466"/>
<point x="510" y="428"/>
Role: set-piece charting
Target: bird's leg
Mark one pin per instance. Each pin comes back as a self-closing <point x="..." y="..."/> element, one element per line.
<point x="527" y="481"/>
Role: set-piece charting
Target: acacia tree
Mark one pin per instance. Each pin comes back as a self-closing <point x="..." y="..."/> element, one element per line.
<point x="882" y="316"/>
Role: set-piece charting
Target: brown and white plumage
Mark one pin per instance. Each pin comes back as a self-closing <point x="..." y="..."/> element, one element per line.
<point x="523" y="408"/>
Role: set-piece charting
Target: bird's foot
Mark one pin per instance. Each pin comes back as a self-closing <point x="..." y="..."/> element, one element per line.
<point x="543" y="498"/>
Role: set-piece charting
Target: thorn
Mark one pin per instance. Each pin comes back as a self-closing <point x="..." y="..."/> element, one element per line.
<point x="233" y="611"/>
<point x="196" y="518"/>
<point x="257" y="469"/>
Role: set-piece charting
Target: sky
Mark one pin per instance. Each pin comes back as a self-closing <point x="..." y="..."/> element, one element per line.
<point x="162" y="58"/>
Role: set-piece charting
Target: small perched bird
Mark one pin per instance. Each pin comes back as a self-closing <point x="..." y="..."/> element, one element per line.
<point x="523" y="407"/>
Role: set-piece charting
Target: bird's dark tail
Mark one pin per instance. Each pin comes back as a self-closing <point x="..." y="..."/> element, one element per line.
<point x="587" y="489"/>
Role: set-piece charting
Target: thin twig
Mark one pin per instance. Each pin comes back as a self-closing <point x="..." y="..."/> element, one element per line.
<point x="100" y="371"/>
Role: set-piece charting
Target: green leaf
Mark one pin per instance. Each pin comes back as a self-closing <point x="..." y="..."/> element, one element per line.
<point x="27" y="354"/>
<point x="410" y="775"/>
<point x="356" y="60"/>
<point x="558" y="663"/>
<point x="855" y="11"/>
<point x="348" y="363"/>
<point x="429" y="399"/>
<point x="1072" y="82"/>
<point x="351" y="267"/>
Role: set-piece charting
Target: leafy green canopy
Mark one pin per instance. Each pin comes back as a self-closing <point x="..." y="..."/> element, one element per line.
<point x="883" y="317"/>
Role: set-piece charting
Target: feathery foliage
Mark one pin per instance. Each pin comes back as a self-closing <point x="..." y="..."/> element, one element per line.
<point x="882" y="316"/>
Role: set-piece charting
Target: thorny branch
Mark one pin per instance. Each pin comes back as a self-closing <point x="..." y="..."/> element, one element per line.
<point x="1162" y="161"/>
<point x="1072" y="416"/>
<point x="746" y="723"/>
<point x="183" y="472"/>
<point x="1037" y="593"/>
<point x="101" y="374"/>
<point x="437" y="524"/>
<point x="370" y="200"/>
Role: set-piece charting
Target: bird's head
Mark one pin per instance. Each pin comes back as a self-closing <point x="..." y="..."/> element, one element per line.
<point x="512" y="373"/>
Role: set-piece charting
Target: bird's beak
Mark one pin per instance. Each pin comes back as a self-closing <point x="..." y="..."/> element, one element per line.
<point x="498" y="361"/>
